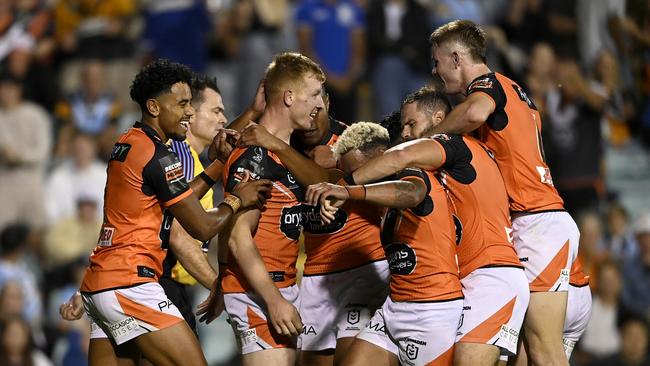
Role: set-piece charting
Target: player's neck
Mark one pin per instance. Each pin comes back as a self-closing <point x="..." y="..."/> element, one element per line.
<point x="473" y="71"/>
<point x="277" y="123"/>
<point x="153" y="123"/>
<point x="196" y="143"/>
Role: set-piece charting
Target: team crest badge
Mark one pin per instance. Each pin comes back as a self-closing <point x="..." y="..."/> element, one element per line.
<point x="412" y="351"/>
<point x="354" y="316"/>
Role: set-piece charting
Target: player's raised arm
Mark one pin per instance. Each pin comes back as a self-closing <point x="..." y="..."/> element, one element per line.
<point x="203" y="225"/>
<point x="468" y="115"/>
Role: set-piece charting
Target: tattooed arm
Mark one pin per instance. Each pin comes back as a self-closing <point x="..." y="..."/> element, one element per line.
<point x="405" y="193"/>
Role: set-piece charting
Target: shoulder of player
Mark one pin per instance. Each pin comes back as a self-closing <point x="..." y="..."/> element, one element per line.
<point x="483" y="82"/>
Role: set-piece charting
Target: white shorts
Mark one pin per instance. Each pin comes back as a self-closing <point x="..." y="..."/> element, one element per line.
<point x="126" y="313"/>
<point x="494" y="307"/>
<point x="578" y="313"/>
<point x="249" y="320"/>
<point x="419" y="333"/>
<point x="339" y="305"/>
<point x="547" y="245"/>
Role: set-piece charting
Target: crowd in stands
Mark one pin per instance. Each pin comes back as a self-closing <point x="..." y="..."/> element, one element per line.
<point x="66" y="66"/>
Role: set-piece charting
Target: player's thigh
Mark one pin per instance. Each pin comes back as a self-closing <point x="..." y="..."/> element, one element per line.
<point x="270" y="357"/>
<point x="545" y="316"/>
<point x="475" y="354"/>
<point x="364" y="353"/>
<point x="102" y="352"/>
<point x="343" y="346"/>
<point x="316" y="358"/>
<point x="175" y="345"/>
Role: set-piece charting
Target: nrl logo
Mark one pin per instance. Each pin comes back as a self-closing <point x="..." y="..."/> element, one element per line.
<point x="412" y="351"/>
<point x="354" y="316"/>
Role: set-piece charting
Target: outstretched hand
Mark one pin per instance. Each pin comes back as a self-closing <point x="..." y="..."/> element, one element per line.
<point x="73" y="309"/>
<point x="213" y="305"/>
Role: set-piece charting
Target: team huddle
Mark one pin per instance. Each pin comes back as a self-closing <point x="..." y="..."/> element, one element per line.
<point x="441" y="242"/>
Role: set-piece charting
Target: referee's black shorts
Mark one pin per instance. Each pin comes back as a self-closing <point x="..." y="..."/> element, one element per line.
<point x="177" y="293"/>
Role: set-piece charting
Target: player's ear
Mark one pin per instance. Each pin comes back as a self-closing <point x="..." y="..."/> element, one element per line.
<point x="288" y="98"/>
<point x="153" y="107"/>
<point x="456" y="59"/>
<point x="437" y="117"/>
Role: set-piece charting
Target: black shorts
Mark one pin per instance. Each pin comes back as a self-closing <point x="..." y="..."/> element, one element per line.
<point x="177" y="293"/>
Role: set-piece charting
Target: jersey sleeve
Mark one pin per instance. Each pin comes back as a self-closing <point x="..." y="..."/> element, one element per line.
<point x="163" y="177"/>
<point x="252" y="159"/>
<point x="489" y="85"/>
<point x="458" y="157"/>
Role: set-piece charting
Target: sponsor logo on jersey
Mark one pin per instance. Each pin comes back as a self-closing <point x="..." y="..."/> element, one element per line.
<point x="120" y="151"/>
<point x="402" y="259"/>
<point x="106" y="237"/>
<point x="309" y="329"/>
<point x="291" y="221"/>
<point x="313" y="224"/>
<point x="484" y="83"/>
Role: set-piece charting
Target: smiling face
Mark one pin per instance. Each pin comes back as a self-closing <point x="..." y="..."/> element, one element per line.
<point x="307" y="102"/>
<point x="313" y="136"/>
<point x="175" y="111"/>
<point x="209" y="117"/>
<point x="445" y="60"/>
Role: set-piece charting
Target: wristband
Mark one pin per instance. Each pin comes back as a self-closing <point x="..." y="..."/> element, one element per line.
<point x="349" y="179"/>
<point x="206" y="178"/>
<point x="233" y="202"/>
<point x="357" y="193"/>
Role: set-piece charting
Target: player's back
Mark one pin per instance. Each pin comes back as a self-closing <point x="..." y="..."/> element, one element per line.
<point x="143" y="178"/>
<point x="513" y="133"/>
<point x="479" y="203"/>
<point x="420" y="246"/>
<point x="276" y="236"/>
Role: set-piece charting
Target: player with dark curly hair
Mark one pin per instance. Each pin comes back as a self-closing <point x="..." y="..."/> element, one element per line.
<point x="146" y="188"/>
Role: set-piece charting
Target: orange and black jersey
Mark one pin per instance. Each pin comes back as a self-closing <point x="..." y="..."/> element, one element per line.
<point x="578" y="278"/>
<point x="479" y="204"/>
<point x="279" y="226"/>
<point x="513" y="133"/>
<point x="420" y="246"/>
<point x="144" y="178"/>
<point x="351" y="240"/>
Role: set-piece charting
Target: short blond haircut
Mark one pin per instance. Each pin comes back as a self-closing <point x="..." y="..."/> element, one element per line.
<point x="287" y="70"/>
<point x="464" y="32"/>
<point x="362" y="136"/>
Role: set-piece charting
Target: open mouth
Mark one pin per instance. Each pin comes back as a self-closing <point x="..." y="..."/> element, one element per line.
<point x="185" y="125"/>
<point x="313" y="115"/>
